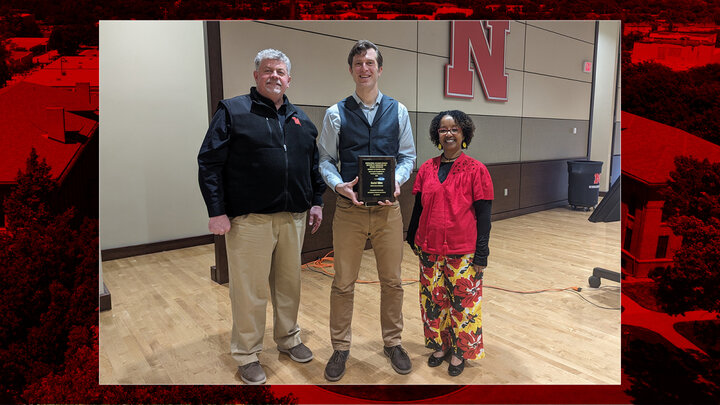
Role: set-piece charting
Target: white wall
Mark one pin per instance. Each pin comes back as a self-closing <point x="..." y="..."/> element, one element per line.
<point x="153" y="116"/>
<point x="605" y="105"/>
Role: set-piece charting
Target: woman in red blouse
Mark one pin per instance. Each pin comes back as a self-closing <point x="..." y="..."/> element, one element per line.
<point x="449" y="232"/>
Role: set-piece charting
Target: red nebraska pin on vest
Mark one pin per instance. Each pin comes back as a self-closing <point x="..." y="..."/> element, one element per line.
<point x="297" y="121"/>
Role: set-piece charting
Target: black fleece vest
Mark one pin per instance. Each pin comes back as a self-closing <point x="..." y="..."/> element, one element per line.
<point x="358" y="137"/>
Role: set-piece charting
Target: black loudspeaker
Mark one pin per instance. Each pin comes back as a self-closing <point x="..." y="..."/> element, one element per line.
<point x="609" y="208"/>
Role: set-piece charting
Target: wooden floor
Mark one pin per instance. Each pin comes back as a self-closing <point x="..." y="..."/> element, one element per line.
<point x="170" y="324"/>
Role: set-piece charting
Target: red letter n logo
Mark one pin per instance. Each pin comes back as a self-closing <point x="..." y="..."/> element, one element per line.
<point x="487" y="48"/>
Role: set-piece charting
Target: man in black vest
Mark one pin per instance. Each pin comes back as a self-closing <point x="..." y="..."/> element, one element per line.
<point x="366" y="123"/>
<point x="259" y="177"/>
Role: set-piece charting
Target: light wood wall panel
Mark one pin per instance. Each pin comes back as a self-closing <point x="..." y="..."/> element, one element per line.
<point x="551" y="54"/>
<point x="431" y="76"/>
<point x="425" y="149"/>
<point x="320" y="73"/>
<point x="433" y="43"/>
<point x="394" y="34"/>
<point x="552" y="97"/>
<point x="497" y="139"/>
<point x="548" y="139"/>
<point x="434" y="39"/>
<point x="579" y="29"/>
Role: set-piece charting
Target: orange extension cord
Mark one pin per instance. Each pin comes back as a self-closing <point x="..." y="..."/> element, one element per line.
<point x="322" y="264"/>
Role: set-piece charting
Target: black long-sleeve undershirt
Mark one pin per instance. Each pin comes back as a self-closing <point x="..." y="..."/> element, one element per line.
<point x="482" y="214"/>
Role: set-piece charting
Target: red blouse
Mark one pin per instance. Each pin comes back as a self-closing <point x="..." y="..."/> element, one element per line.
<point x="447" y="224"/>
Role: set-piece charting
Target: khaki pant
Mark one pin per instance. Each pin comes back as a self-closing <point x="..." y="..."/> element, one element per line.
<point x="262" y="249"/>
<point x="352" y="226"/>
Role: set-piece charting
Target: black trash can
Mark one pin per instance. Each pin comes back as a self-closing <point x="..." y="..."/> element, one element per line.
<point x="584" y="183"/>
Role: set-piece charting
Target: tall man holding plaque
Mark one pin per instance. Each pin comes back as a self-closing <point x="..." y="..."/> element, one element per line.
<point x="369" y="135"/>
<point x="258" y="173"/>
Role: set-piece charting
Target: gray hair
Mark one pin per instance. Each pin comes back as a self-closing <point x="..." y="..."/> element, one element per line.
<point x="272" y="54"/>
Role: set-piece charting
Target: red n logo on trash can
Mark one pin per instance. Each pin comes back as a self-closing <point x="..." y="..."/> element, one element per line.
<point x="597" y="178"/>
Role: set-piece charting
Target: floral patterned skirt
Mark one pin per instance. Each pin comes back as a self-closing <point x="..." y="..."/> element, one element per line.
<point x="450" y="304"/>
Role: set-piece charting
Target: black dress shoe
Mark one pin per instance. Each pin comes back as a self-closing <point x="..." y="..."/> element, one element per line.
<point x="455" y="371"/>
<point x="335" y="368"/>
<point x="436" y="361"/>
<point x="399" y="359"/>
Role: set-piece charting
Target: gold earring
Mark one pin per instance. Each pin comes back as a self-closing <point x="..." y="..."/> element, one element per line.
<point x="464" y="145"/>
<point x="439" y="147"/>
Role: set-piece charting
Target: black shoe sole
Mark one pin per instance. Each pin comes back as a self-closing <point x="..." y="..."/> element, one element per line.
<point x="327" y="377"/>
<point x="401" y="371"/>
<point x="250" y="382"/>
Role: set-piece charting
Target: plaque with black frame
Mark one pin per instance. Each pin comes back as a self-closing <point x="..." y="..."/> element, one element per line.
<point x="376" y="178"/>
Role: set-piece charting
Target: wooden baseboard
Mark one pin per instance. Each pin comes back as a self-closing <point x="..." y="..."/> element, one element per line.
<point x="528" y="210"/>
<point x="105" y="301"/>
<point x="144" y="249"/>
<point x="313" y="255"/>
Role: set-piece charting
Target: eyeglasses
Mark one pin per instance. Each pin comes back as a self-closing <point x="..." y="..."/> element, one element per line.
<point x="453" y="130"/>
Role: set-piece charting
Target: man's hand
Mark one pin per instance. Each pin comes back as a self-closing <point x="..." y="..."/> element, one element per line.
<point x="346" y="189"/>
<point x="478" y="268"/>
<point x="315" y="218"/>
<point x="396" y="194"/>
<point x="219" y="225"/>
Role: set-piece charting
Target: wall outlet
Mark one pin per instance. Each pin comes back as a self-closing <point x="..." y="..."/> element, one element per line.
<point x="505" y="192"/>
<point x="574" y="130"/>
